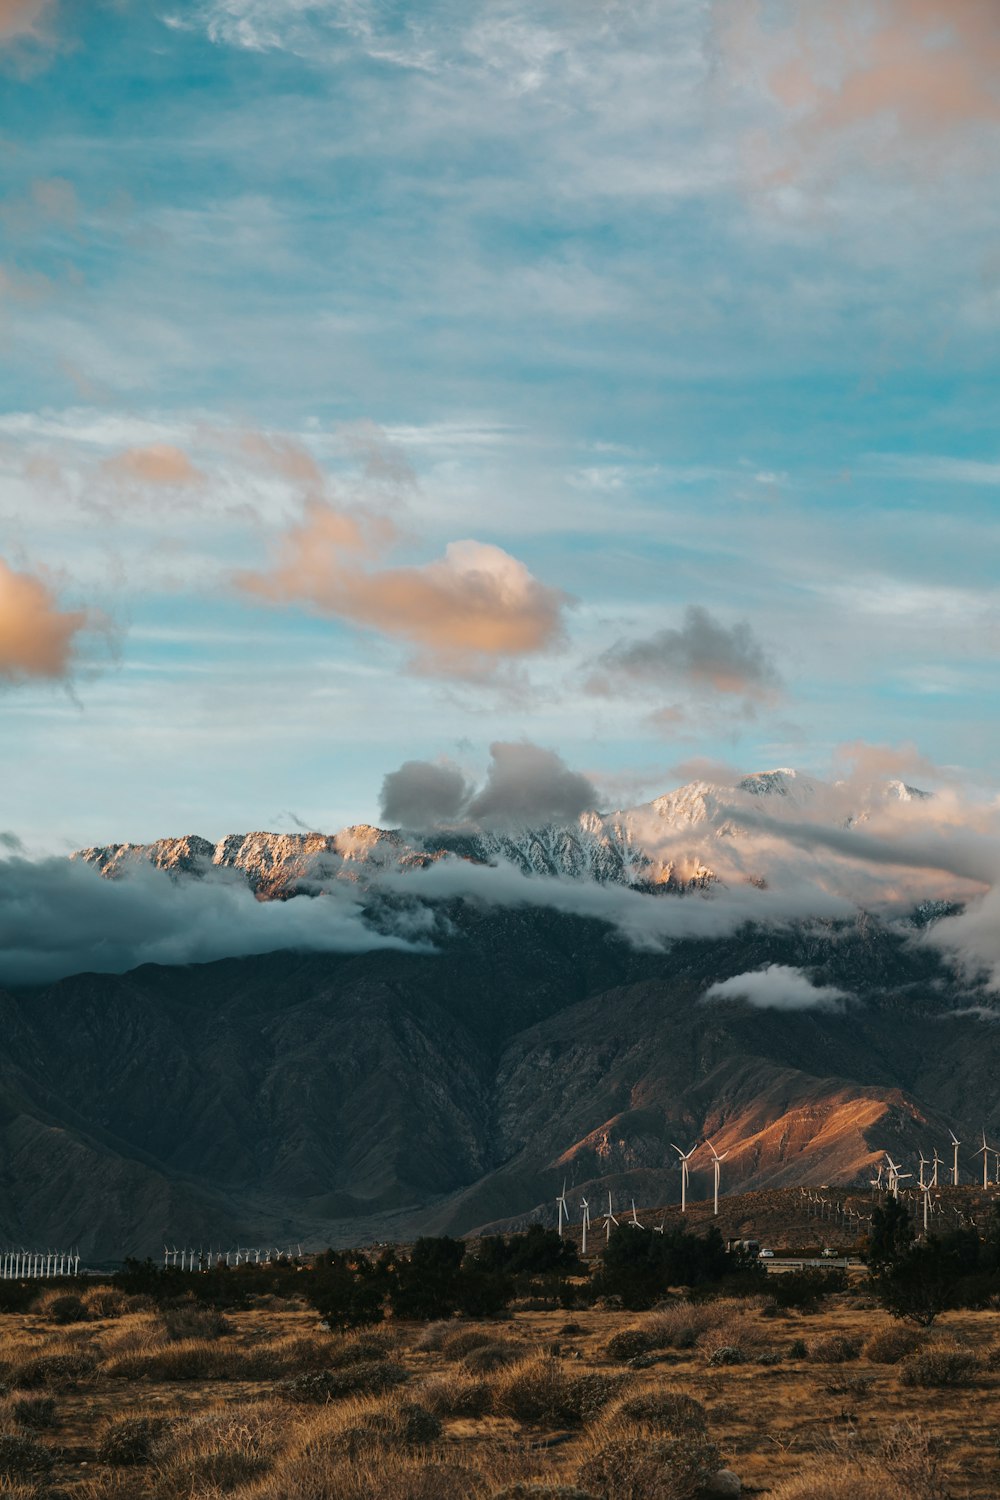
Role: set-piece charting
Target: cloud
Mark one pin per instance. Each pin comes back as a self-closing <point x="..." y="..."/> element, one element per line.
<point x="703" y="654"/>
<point x="778" y="987"/>
<point x="159" y="464"/>
<point x="465" y="612"/>
<point x="424" y="794"/>
<point x="60" y="917"/>
<point x="23" y="18"/>
<point x="857" y="760"/>
<point x="526" y="786"/>
<point x="890" y="77"/>
<point x="37" y="638"/>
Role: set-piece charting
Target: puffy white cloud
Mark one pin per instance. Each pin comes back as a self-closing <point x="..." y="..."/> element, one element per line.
<point x="778" y="987"/>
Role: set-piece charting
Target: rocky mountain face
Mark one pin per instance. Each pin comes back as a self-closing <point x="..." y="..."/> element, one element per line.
<point x="668" y="843"/>
<point x="343" y="1098"/>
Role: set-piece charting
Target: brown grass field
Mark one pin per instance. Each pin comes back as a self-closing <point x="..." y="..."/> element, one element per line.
<point x="267" y="1405"/>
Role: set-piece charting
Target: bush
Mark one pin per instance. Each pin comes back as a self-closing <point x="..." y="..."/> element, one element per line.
<point x="940" y="1365"/>
<point x="403" y="1424"/>
<point x="462" y="1341"/>
<point x="887" y="1346"/>
<point x="67" y="1308"/>
<point x="109" y="1302"/>
<point x="193" y="1322"/>
<point x="535" y="1391"/>
<point x="671" y="1411"/>
<point x="34" y="1411"/>
<point x="456" y="1394"/>
<point x="366" y="1378"/>
<point x="52" y="1370"/>
<point x="835" y="1349"/>
<point x="804" y="1290"/>
<point x="22" y="1457"/>
<point x="633" y="1467"/>
<point x="627" y="1343"/>
<point x="727" y="1354"/>
<point x="539" y="1490"/>
<point x="128" y="1440"/>
<point x="490" y="1357"/>
<point x="798" y="1349"/>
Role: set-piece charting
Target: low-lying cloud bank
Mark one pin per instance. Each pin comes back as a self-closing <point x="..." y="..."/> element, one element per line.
<point x="778" y="987"/>
<point x="60" y="917"/>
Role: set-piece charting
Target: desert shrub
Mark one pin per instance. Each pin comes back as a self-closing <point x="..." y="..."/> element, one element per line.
<point x="627" y="1343"/>
<point x="727" y="1354"/>
<point x="368" y="1343"/>
<point x="366" y="1378"/>
<point x="193" y="1322"/>
<point x="128" y="1439"/>
<point x="65" y="1308"/>
<point x="537" y="1390"/>
<point x="56" y="1369"/>
<point x="433" y="1335"/>
<point x="858" y="1387"/>
<point x="637" y="1467"/>
<point x="533" y="1489"/>
<point x="109" y="1302"/>
<point x="462" y="1341"/>
<point x="940" y="1365"/>
<point x="34" y="1411"/>
<point x="188" y="1359"/>
<point x="670" y="1411"/>
<point x="798" y="1349"/>
<point x="398" y="1424"/>
<point x="804" y="1289"/>
<point x="590" y="1394"/>
<point x="22" y="1457"/>
<point x="215" y="1451"/>
<point x="887" y="1346"/>
<point x="489" y="1357"/>
<point x="456" y="1394"/>
<point x="835" y="1349"/>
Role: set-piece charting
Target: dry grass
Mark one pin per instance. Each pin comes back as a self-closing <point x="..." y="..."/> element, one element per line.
<point x="217" y="1425"/>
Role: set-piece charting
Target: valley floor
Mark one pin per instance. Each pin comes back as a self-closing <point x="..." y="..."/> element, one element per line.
<point x="187" y="1404"/>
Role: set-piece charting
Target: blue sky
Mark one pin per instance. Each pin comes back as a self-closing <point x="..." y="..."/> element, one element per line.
<point x="687" y="316"/>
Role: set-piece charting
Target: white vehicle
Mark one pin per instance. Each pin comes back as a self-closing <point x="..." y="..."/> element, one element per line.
<point x="766" y="1255"/>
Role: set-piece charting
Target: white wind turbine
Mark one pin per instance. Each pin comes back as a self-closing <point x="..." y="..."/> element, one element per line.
<point x="926" y="1189"/>
<point x="585" y="1221"/>
<point x="563" y="1209"/>
<point x="893" y="1176"/>
<point x="717" y="1161"/>
<point x="685" y="1173"/>
<point x="924" y="1164"/>
<point x="609" y="1219"/>
<point x="955" y="1142"/>
<point x="984" y="1152"/>
<point x="634" y="1221"/>
<point x="938" y="1162"/>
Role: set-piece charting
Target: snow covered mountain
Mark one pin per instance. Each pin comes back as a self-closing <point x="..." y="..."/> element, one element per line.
<point x="676" y="842"/>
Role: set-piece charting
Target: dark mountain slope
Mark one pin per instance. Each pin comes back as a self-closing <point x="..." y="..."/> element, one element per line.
<point x="332" y="1098"/>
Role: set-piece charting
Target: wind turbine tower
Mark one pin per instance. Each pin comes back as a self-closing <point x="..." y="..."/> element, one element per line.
<point x="717" y="1161"/>
<point x="685" y="1173"/>
<point x="563" y="1209"/>
<point x="955" y="1142"/>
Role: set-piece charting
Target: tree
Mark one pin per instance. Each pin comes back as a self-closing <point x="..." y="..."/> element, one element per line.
<point x="891" y="1236"/>
<point x="347" y="1289"/>
<point x="427" y="1285"/>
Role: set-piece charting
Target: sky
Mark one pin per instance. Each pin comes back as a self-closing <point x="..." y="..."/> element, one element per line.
<point x="383" y="381"/>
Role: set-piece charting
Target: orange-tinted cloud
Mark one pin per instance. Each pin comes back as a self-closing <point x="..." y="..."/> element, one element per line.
<point x="924" y="65"/>
<point x="37" y="638"/>
<point x="23" y="18"/>
<point x="157" y="464"/>
<point x="464" y="612"/>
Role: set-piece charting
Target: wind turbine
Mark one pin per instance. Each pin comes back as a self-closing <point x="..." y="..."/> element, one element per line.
<point x="924" y="1164"/>
<point x="634" y="1221"/>
<point x="585" y="1221"/>
<point x="938" y="1162"/>
<point x="685" y="1173"/>
<point x="609" y="1219"/>
<point x="893" y="1176"/>
<point x="563" y="1209"/>
<point x="955" y="1145"/>
<point x="984" y="1152"/>
<point x="717" y="1161"/>
<point x="926" y="1189"/>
